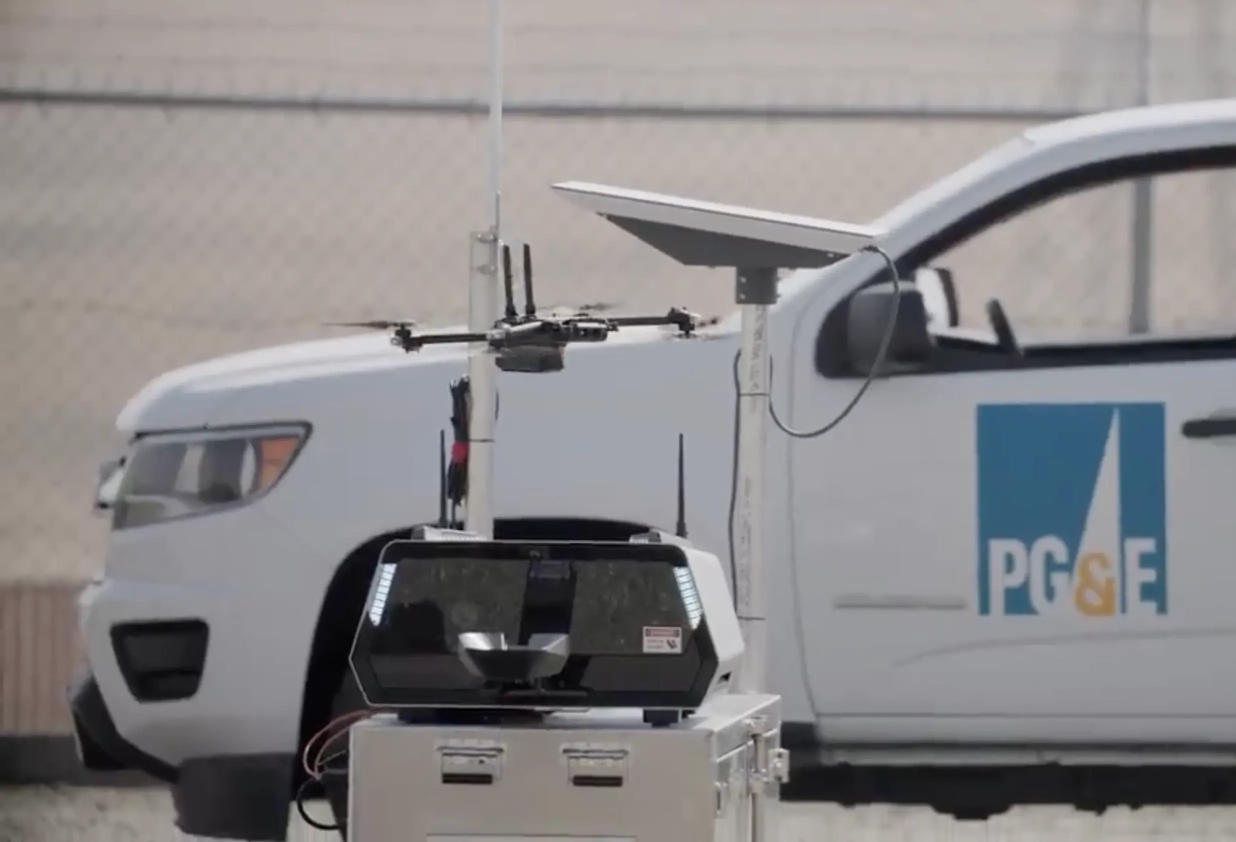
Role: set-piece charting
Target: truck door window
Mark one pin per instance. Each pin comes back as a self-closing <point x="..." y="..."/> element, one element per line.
<point x="1061" y="268"/>
<point x="1064" y="270"/>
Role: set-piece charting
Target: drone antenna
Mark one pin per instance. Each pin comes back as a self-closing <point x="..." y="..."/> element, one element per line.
<point x="508" y="284"/>
<point x="442" y="521"/>
<point x="529" y="304"/>
<point x="681" y="528"/>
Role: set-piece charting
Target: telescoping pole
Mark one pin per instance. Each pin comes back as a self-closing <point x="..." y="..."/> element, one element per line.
<point x="483" y="307"/>
<point x="756" y="291"/>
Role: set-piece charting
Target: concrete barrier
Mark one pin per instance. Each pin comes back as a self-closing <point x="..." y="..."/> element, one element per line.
<point x="39" y="651"/>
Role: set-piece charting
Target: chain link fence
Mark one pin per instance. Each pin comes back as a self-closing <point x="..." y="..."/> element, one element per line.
<point x="944" y="55"/>
<point x="139" y="239"/>
<point x="177" y="184"/>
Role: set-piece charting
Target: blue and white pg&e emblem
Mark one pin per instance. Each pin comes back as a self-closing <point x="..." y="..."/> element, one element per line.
<point x="1071" y="509"/>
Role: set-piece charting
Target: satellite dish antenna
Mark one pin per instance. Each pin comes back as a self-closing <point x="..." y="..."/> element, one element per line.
<point x="756" y="244"/>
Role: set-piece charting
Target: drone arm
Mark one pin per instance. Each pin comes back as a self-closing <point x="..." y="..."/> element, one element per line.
<point x="451" y="338"/>
<point x="408" y="341"/>
<point x="684" y="320"/>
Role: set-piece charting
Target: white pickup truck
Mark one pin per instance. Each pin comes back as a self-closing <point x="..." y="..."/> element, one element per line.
<point x="1013" y="554"/>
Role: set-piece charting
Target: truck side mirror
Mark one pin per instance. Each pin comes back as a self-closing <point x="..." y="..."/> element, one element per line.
<point x="939" y="296"/>
<point x="867" y="322"/>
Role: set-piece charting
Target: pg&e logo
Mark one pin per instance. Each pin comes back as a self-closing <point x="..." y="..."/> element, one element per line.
<point x="1071" y="509"/>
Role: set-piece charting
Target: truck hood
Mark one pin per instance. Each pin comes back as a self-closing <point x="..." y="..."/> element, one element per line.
<point x="188" y="397"/>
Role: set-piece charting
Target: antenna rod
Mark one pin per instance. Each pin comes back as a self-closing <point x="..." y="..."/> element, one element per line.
<point x="442" y="521"/>
<point x="483" y="310"/>
<point x="495" y="115"/>
<point x="508" y="283"/>
<point x="681" y="530"/>
<point x="529" y="304"/>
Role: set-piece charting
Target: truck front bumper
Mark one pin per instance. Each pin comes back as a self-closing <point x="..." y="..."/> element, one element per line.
<point x="99" y="745"/>
<point x="243" y="797"/>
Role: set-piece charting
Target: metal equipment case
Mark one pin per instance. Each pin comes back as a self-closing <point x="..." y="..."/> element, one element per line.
<point x="595" y="775"/>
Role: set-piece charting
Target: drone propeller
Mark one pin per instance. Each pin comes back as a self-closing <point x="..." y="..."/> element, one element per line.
<point x="375" y="324"/>
<point x="596" y="307"/>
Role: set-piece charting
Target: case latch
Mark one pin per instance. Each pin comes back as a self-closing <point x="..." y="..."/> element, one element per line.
<point x="593" y="766"/>
<point x="470" y="764"/>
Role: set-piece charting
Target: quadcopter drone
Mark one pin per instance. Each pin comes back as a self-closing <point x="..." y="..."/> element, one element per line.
<point x="528" y="342"/>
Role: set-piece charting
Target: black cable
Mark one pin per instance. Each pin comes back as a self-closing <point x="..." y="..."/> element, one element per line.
<point x="457" y="468"/>
<point x="796" y="596"/>
<point x="309" y="820"/>
<point x="871" y="375"/>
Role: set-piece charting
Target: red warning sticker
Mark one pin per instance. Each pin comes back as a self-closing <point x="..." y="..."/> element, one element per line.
<point x="662" y="640"/>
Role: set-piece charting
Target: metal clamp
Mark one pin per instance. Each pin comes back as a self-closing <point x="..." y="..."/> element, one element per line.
<point x="770" y="764"/>
<point x="780" y="767"/>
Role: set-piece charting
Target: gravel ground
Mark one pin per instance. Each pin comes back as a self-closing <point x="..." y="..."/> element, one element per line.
<point x="137" y="815"/>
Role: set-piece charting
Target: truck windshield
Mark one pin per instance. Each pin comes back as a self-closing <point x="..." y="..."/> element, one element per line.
<point x="796" y="282"/>
<point x="954" y="183"/>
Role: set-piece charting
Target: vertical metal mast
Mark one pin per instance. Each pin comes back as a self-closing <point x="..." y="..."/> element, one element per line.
<point x="483" y="306"/>
<point x="1143" y="197"/>
<point x="755" y="293"/>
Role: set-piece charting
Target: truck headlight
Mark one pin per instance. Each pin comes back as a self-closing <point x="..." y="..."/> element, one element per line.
<point x="175" y="475"/>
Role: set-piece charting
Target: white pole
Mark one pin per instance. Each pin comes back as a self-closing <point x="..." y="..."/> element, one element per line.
<point x="757" y="289"/>
<point x="1143" y="199"/>
<point x="483" y="308"/>
<point x="495" y="123"/>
